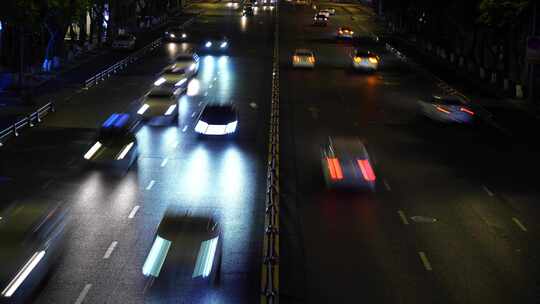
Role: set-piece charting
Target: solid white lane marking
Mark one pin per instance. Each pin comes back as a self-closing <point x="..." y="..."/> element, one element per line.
<point x="110" y="250"/>
<point x="519" y="224"/>
<point x="164" y="162"/>
<point x="47" y="184"/>
<point x="133" y="212"/>
<point x="425" y="261"/>
<point x="193" y="114"/>
<point x="150" y="185"/>
<point x="387" y="185"/>
<point x="83" y="294"/>
<point x="487" y="190"/>
<point x="403" y="217"/>
<point x="184" y="129"/>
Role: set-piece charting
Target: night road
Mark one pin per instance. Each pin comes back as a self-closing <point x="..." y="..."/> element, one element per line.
<point x="453" y="217"/>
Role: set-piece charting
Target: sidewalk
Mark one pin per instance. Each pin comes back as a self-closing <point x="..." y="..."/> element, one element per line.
<point x="62" y="84"/>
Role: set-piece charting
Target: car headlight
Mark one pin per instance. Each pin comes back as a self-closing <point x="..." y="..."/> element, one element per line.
<point x="172" y="35"/>
<point x="160" y="81"/>
<point x="184" y="35"/>
<point x="373" y="60"/>
<point x="231" y="127"/>
<point x="92" y="150"/>
<point x="143" y="109"/>
<point x="180" y="82"/>
<point x="201" y="127"/>
<point x="208" y="44"/>
<point x="170" y="110"/>
<point x="223" y="44"/>
<point x="192" y="67"/>
<point x="124" y="151"/>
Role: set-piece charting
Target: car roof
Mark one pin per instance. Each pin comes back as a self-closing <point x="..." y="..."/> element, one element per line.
<point x="347" y="147"/>
<point x="218" y="114"/>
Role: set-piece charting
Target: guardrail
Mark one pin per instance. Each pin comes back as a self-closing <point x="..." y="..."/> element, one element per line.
<point x="29" y="120"/>
<point x="120" y="65"/>
<point x="270" y="265"/>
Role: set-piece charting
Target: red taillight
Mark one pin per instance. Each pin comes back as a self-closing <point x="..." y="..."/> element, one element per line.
<point x="466" y="111"/>
<point x="335" y="168"/>
<point x="366" y="169"/>
<point x="441" y="109"/>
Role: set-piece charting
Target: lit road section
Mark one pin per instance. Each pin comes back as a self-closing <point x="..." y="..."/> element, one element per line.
<point x="225" y="78"/>
<point x="207" y="68"/>
<point x="243" y="24"/>
<point x="197" y="179"/>
<point x="194" y="87"/>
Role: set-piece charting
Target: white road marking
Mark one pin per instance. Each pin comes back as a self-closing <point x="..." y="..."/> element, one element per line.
<point x="83" y="294"/>
<point x="47" y="184"/>
<point x="487" y="190"/>
<point x="403" y="217"/>
<point x="193" y="114"/>
<point x="164" y="162"/>
<point x="184" y="129"/>
<point x="519" y="224"/>
<point x="133" y="212"/>
<point x="150" y="185"/>
<point x="387" y="185"/>
<point x="425" y="261"/>
<point x="110" y="250"/>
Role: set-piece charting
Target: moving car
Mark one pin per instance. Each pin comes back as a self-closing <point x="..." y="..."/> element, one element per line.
<point x="303" y="58"/>
<point x="331" y="10"/>
<point x="175" y="34"/>
<point x="320" y="19"/>
<point x="124" y="42"/>
<point x="174" y="77"/>
<point x="345" y="32"/>
<point x="159" y="102"/>
<point x="248" y="11"/>
<point x="186" y="253"/>
<point x="233" y="4"/>
<point x="32" y="235"/>
<point x="365" y="60"/>
<point x="325" y="12"/>
<point x="188" y="62"/>
<point x="346" y="164"/>
<point x="217" y="120"/>
<point x="115" y="145"/>
<point x="450" y="109"/>
<point x="215" y="45"/>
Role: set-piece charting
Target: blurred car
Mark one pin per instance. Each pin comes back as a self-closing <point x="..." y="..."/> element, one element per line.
<point x="115" y="145"/>
<point x="346" y="164"/>
<point x="186" y="253"/>
<point x="324" y="12"/>
<point x="175" y="34"/>
<point x="217" y="120"/>
<point x="188" y="62"/>
<point x="159" y="102"/>
<point x="248" y="11"/>
<point x="331" y="10"/>
<point x="268" y="6"/>
<point x="320" y="19"/>
<point x="32" y="235"/>
<point x="233" y="4"/>
<point x="450" y="109"/>
<point x="215" y="45"/>
<point x="124" y="42"/>
<point x="303" y="58"/>
<point x="345" y="32"/>
<point x="174" y="77"/>
<point x="365" y="60"/>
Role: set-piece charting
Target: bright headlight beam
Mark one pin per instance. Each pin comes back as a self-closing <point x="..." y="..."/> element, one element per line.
<point x="170" y="110"/>
<point x="223" y="44"/>
<point x="184" y="35"/>
<point x="23" y="274"/>
<point x="143" y="109"/>
<point x="160" y="81"/>
<point x="208" y="44"/>
<point x="180" y="82"/>
<point x="93" y="150"/>
<point x="124" y="151"/>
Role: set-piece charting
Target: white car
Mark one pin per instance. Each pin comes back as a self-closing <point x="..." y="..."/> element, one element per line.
<point x="365" y="60"/>
<point x="303" y="58"/>
<point x="345" y="32"/>
<point x="448" y="109"/>
<point x="188" y="62"/>
<point x="324" y="12"/>
<point x="217" y="120"/>
<point x="346" y="164"/>
<point x="124" y="42"/>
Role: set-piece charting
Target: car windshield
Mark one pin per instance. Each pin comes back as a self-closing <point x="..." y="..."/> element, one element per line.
<point x="321" y="16"/>
<point x="218" y="114"/>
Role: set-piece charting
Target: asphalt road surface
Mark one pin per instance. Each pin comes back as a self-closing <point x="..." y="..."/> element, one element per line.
<point x="453" y="220"/>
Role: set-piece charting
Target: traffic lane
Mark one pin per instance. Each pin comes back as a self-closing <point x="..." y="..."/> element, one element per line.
<point x="321" y="111"/>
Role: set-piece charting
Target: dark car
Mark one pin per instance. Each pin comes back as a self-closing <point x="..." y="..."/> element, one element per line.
<point x="217" y="120"/>
<point x="32" y="238"/>
<point x="186" y="253"/>
<point x="248" y="11"/>
<point x="320" y="19"/>
<point x="161" y="101"/>
<point x="175" y="34"/>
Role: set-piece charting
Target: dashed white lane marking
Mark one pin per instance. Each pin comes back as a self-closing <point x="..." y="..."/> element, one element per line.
<point x="83" y="294"/>
<point x="403" y="217"/>
<point x="46" y="184"/>
<point x="193" y="114"/>
<point x="387" y="185"/>
<point x="487" y="190"/>
<point x="133" y="212"/>
<point x="150" y="185"/>
<point x="164" y="162"/>
<point x="519" y="224"/>
<point x="425" y="261"/>
<point x="110" y="250"/>
<point x="184" y="129"/>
